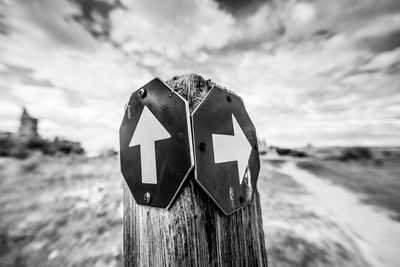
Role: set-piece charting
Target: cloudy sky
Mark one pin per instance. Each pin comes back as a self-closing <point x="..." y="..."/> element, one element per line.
<point x="316" y="71"/>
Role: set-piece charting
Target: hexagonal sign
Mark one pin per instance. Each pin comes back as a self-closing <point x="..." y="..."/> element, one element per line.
<point x="225" y="149"/>
<point x="155" y="144"/>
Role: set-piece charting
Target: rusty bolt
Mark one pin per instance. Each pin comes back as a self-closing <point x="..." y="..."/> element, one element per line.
<point x="202" y="147"/>
<point x="147" y="198"/>
<point x="142" y="93"/>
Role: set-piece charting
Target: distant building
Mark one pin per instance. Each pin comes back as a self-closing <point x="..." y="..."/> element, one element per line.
<point x="27" y="140"/>
<point x="28" y="125"/>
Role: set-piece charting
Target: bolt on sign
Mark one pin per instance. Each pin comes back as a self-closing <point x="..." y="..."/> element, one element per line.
<point x="158" y="148"/>
<point x="155" y="144"/>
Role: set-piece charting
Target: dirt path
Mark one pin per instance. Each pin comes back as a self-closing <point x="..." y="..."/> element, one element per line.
<point x="375" y="233"/>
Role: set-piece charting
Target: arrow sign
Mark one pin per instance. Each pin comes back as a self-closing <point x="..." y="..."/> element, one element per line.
<point x="148" y="131"/>
<point x="224" y="136"/>
<point x="234" y="147"/>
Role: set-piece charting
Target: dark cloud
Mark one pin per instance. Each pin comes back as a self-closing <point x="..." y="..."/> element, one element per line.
<point x="382" y="43"/>
<point x="347" y="16"/>
<point x="95" y="15"/>
<point x="394" y="68"/>
<point x="236" y="47"/>
<point x="241" y="8"/>
<point x="24" y="75"/>
<point x="298" y="22"/>
<point x="3" y="23"/>
<point x="50" y="22"/>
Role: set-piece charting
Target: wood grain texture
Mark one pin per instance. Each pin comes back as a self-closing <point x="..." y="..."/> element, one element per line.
<point x="193" y="232"/>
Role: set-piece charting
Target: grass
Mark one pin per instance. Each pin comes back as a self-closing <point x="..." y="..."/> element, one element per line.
<point x="379" y="184"/>
<point x="60" y="212"/>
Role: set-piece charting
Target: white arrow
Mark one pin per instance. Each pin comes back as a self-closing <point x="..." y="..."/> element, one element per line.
<point x="148" y="131"/>
<point x="234" y="147"/>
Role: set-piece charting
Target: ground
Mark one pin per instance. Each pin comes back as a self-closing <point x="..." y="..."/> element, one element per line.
<point x="377" y="181"/>
<point x="298" y="231"/>
<point x="67" y="211"/>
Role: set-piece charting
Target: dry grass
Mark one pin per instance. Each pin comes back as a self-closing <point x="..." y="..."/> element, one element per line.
<point x="60" y="212"/>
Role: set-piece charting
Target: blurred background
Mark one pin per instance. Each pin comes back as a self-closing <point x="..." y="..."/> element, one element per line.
<point x="320" y="80"/>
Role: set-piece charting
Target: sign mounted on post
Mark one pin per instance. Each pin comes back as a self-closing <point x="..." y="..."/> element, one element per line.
<point x="225" y="148"/>
<point x="156" y="144"/>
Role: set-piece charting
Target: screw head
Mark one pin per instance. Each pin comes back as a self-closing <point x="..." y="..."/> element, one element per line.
<point x="142" y="93"/>
<point x="147" y="197"/>
<point x="202" y="147"/>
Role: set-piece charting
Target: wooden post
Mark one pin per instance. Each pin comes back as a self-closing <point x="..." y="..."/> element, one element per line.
<point x="193" y="232"/>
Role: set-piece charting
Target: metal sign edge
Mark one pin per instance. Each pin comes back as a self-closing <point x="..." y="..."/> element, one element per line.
<point x="190" y="138"/>
<point x="195" y="172"/>
<point x="192" y="125"/>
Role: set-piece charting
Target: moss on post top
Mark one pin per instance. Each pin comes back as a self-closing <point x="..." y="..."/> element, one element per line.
<point x="193" y="88"/>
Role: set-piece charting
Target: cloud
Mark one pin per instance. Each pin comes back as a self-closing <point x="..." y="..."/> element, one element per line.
<point x="176" y="28"/>
<point x="382" y="43"/>
<point x="95" y="16"/>
<point x="309" y="71"/>
<point x="46" y="22"/>
<point x="240" y="8"/>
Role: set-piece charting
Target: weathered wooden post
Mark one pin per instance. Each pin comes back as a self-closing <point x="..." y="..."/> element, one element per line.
<point x="193" y="232"/>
